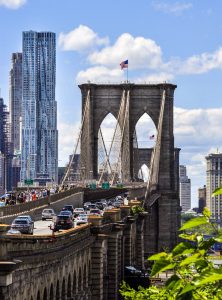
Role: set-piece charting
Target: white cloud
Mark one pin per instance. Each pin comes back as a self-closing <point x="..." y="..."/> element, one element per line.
<point x="196" y="64"/>
<point x="197" y="133"/>
<point x="142" y="53"/>
<point x="80" y="39"/>
<point x="156" y="77"/>
<point x="175" y="8"/>
<point x="13" y="4"/>
<point x="68" y="135"/>
<point x="100" y="74"/>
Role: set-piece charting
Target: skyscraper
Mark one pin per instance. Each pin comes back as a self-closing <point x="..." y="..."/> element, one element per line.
<point x="185" y="189"/>
<point x="15" y="100"/>
<point x="201" y="199"/>
<point x="39" y="108"/>
<point x="214" y="179"/>
<point x="5" y="145"/>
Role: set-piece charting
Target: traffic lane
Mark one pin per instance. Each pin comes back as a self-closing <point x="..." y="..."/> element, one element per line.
<point x="42" y="227"/>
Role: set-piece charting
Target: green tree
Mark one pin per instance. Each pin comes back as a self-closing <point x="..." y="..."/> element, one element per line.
<point x="194" y="274"/>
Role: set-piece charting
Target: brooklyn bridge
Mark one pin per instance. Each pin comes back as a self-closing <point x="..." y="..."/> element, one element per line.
<point x="87" y="262"/>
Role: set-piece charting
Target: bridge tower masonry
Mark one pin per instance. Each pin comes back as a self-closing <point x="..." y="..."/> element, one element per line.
<point x="163" y="205"/>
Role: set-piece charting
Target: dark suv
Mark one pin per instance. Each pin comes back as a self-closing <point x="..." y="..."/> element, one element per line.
<point x="68" y="207"/>
<point x="63" y="222"/>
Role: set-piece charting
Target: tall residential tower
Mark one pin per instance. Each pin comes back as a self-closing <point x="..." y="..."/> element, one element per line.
<point x="39" y="108"/>
<point x="15" y="100"/>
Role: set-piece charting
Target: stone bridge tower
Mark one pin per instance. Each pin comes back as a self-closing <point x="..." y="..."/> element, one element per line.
<point x="140" y="98"/>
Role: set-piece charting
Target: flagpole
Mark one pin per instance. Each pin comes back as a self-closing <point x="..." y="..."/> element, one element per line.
<point x="127" y="74"/>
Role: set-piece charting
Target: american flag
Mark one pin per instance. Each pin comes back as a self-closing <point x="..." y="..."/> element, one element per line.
<point x="152" y="137"/>
<point x="124" y="64"/>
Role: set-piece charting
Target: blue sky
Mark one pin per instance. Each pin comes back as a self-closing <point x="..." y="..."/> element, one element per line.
<point x="176" y="41"/>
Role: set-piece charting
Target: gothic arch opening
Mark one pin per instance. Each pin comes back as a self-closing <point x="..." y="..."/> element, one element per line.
<point x="45" y="294"/>
<point x="143" y="173"/>
<point x="145" y="131"/>
<point x="63" y="288"/>
<point x="69" y="288"/>
<point x="109" y="142"/>
<point x="74" y="283"/>
<point x="80" y="280"/>
<point x="51" y="296"/>
<point x="89" y="273"/>
<point x="38" y="295"/>
<point x="57" y="291"/>
<point x="85" y="279"/>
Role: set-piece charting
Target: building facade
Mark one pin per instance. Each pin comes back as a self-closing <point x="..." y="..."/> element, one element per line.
<point x="39" y="108"/>
<point x="15" y="100"/>
<point x="201" y="199"/>
<point x="185" y="189"/>
<point x="5" y="144"/>
<point x="214" y="179"/>
<point x="2" y="174"/>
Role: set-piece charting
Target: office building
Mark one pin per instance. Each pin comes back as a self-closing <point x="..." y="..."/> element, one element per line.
<point x="15" y="100"/>
<point x="201" y="199"/>
<point x="2" y="174"/>
<point x="185" y="189"/>
<point x="39" y="109"/>
<point x="214" y="179"/>
<point x="5" y="144"/>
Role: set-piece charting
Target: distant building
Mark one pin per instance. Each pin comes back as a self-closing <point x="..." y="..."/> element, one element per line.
<point x="214" y="180"/>
<point x="15" y="100"/>
<point x="5" y="144"/>
<point x="16" y="170"/>
<point x="39" y="108"/>
<point x="61" y="172"/>
<point x="2" y="174"/>
<point x="201" y="199"/>
<point x="185" y="189"/>
<point x="74" y="172"/>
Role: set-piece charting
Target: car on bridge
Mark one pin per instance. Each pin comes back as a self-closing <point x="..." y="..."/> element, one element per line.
<point x="22" y="225"/>
<point x="68" y="207"/>
<point x="66" y="213"/>
<point x="81" y="219"/>
<point x="63" y="222"/>
<point x="48" y="213"/>
<point x="95" y="212"/>
<point x="26" y="217"/>
<point x="78" y="210"/>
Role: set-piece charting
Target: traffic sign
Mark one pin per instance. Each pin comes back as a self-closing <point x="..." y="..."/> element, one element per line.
<point x="28" y="181"/>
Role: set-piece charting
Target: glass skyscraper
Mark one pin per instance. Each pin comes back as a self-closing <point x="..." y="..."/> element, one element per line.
<point x="39" y="108"/>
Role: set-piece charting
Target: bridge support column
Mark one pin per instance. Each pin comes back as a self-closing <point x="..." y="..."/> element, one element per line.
<point x="151" y="231"/>
<point x="140" y="241"/>
<point x="97" y="275"/>
<point x="114" y="271"/>
<point x="130" y="241"/>
<point x="168" y="221"/>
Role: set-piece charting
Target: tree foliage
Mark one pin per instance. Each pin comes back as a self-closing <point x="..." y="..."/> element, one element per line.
<point x="194" y="275"/>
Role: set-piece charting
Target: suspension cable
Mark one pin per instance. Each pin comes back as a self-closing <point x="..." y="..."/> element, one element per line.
<point x="122" y="135"/>
<point x="155" y="157"/>
<point x="117" y="123"/>
<point x="79" y="137"/>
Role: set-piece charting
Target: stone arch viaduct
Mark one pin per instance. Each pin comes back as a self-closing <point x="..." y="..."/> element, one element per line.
<point x="85" y="262"/>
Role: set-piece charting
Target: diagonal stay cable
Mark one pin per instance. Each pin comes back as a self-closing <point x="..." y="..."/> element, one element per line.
<point x="79" y="136"/>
